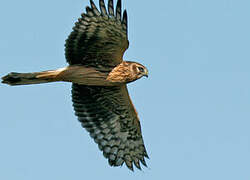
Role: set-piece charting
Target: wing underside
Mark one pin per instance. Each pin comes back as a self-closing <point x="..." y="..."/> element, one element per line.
<point x="109" y="116"/>
<point x="99" y="38"/>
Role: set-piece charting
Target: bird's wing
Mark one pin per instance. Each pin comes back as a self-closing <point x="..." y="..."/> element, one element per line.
<point x="108" y="114"/>
<point x="99" y="38"/>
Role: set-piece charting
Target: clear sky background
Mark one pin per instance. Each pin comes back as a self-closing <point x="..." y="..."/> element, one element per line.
<point x="194" y="107"/>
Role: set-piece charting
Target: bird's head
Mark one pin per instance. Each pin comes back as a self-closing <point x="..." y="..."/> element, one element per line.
<point x="139" y="70"/>
<point x="135" y="70"/>
<point x="127" y="71"/>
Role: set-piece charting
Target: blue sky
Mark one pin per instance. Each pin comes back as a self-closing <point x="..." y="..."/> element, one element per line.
<point x="194" y="107"/>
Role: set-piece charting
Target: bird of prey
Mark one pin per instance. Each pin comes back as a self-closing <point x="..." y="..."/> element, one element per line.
<point x="94" y="51"/>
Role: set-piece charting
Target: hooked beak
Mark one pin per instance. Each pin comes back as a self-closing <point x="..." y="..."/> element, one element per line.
<point x="146" y="73"/>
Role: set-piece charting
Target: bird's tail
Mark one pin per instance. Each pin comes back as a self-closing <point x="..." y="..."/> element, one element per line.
<point x="14" y="78"/>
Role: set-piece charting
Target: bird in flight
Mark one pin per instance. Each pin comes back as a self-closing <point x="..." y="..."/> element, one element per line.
<point x="94" y="51"/>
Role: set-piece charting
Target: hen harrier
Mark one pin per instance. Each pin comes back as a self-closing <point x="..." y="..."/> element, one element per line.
<point x="94" y="51"/>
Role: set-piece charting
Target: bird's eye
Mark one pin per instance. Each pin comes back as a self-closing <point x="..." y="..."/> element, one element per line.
<point x="141" y="69"/>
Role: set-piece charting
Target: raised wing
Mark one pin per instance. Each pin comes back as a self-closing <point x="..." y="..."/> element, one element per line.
<point x="107" y="113"/>
<point x="99" y="37"/>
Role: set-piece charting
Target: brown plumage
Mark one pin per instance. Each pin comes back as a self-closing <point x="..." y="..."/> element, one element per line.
<point x="94" y="51"/>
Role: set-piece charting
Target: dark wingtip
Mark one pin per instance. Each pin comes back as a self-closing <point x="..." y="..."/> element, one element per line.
<point x="103" y="8"/>
<point x="119" y="4"/>
<point x="125" y="20"/>
<point x="125" y="15"/>
<point x="118" y="10"/>
<point x="88" y="9"/>
<point x="143" y="162"/>
<point x="131" y="168"/>
<point x="111" y="7"/>
<point x="137" y="165"/>
<point x="94" y="8"/>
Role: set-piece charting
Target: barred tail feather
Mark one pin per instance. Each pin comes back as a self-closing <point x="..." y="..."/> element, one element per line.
<point x="15" y="78"/>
